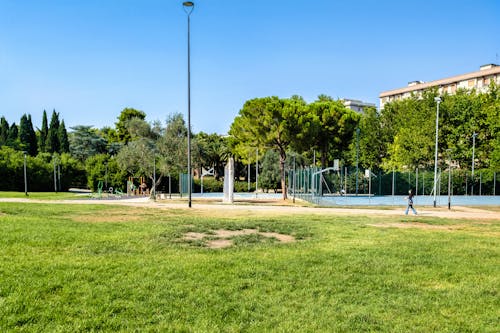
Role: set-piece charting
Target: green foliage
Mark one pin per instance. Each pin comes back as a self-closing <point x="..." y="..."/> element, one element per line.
<point x="39" y="171"/>
<point x="210" y="184"/>
<point x="4" y="131"/>
<point x="110" y="135"/>
<point x="269" y="177"/>
<point x="42" y="135"/>
<point x="53" y="143"/>
<point x="13" y="137"/>
<point x="27" y="136"/>
<point x="122" y="125"/>
<point x="213" y="152"/>
<point x="332" y="128"/>
<point x="102" y="167"/>
<point x="372" y="146"/>
<point x="172" y="146"/>
<point x="269" y="123"/>
<point x="242" y="186"/>
<point x="63" y="138"/>
<point x="408" y="128"/>
<point x="85" y="142"/>
<point x="136" y="158"/>
<point x="139" y="128"/>
<point x="73" y="172"/>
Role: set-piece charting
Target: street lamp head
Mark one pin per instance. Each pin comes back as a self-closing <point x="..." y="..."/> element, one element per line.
<point x="188" y="6"/>
<point x="437" y="99"/>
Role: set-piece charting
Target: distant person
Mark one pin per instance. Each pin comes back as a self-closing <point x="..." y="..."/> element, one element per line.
<point x="143" y="188"/>
<point x="410" y="202"/>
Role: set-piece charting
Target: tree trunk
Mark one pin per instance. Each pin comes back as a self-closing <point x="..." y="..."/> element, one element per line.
<point x="154" y="186"/>
<point x="282" y="174"/>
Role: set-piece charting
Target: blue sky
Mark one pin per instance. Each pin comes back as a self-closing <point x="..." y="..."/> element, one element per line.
<point x="90" y="59"/>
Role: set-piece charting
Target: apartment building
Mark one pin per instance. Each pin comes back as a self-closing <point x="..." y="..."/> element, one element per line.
<point x="479" y="80"/>
<point x="357" y="105"/>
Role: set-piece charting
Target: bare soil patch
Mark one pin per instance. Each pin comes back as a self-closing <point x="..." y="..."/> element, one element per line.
<point x="111" y="216"/>
<point x="194" y="236"/>
<point x="232" y="233"/>
<point x="219" y="243"/>
<point x="223" y="237"/>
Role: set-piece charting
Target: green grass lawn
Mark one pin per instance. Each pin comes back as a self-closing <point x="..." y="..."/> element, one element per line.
<point x="43" y="195"/>
<point x="71" y="268"/>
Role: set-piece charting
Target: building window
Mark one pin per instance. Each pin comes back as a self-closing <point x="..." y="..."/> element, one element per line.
<point x="471" y="83"/>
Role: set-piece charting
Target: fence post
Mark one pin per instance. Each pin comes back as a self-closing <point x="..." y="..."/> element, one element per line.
<point x="466" y="185"/>
<point x="393" y="181"/>
<point x="379" y="182"/>
<point x="416" y="181"/>
<point x="345" y="180"/>
<point x="423" y="183"/>
<point x="480" y="182"/>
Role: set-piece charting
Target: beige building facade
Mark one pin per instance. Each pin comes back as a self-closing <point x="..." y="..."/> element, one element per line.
<point x="479" y="80"/>
<point x="357" y="105"/>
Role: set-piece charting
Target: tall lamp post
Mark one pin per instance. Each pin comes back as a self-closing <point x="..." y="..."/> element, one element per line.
<point x="449" y="178"/>
<point x="437" y="100"/>
<point x="154" y="177"/>
<point x="188" y="8"/>
<point x="25" y="177"/>
<point x="106" y="177"/>
<point x="473" y="150"/>
<point x="357" y="157"/>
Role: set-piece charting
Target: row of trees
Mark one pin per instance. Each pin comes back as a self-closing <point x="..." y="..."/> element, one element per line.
<point x="284" y="125"/>
<point x="53" y="139"/>
<point x="270" y="130"/>
<point x="402" y="135"/>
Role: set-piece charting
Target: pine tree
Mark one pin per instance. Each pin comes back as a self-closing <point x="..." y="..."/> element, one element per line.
<point x="53" y="144"/>
<point x="42" y="139"/>
<point x="4" y="131"/>
<point x="63" y="138"/>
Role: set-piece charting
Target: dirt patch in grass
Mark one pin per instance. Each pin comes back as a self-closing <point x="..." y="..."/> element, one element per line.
<point x="223" y="237"/>
<point x="194" y="236"/>
<point x="222" y="233"/>
<point x="125" y="215"/>
<point x="219" y="243"/>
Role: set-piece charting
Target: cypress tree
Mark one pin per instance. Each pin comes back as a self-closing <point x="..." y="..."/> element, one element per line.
<point x="53" y="145"/>
<point x="4" y="131"/>
<point x="63" y="138"/>
<point x="33" y="149"/>
<point x="12" y="138"/>
<point x="42" y="139"/>
<point x="24" y="133"/>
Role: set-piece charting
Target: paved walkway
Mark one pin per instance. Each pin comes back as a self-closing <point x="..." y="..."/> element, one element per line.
<point x="277" y="208"/>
